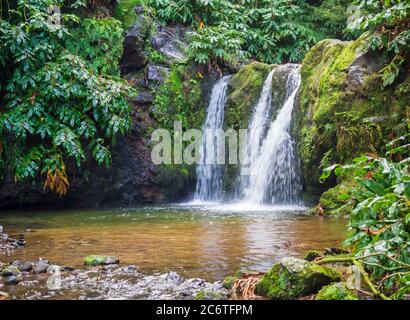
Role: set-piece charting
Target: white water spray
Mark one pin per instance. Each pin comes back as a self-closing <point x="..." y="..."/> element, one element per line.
<point x="209" y="173"/>
<point x="274" y="170"/>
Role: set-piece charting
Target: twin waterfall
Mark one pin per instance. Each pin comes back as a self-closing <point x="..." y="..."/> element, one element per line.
<point x="270" y="173"/>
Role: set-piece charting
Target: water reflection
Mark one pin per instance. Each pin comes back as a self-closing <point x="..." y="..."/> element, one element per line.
<point x="195" y="241"/>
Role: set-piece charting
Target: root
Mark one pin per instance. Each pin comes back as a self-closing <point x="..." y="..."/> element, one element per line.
<point x="246" y="287"/>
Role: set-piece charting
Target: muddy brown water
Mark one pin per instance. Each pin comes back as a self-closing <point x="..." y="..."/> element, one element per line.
<point x="196" y="241"/>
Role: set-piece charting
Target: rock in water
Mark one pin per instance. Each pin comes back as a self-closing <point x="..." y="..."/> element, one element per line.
<point x="100" y="260"/>
<point x="292" y="278"/>
<point x="10" y="271"/>
<point x="23" y="266"/>
<point x="21" y="241"/>
<point x="53" y="269"/>
<point x="11" y="280"/>
<point x="337" y="291"/>
<point x="312" y="255"/>
<point x="41" y="267"/>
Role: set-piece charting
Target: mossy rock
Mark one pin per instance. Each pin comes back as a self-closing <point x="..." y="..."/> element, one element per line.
<point x="229" y="282"/>
<point x="209" y="295"/>
<point x="292" y="278"/>
<point x="337" y="291"/>
<point x="313" y="254"/>
<point x="245" y="89"/>
<point x="96" y="260"/>
<point x="10" y="271"/>
<point x="124" y="11"/>
<point x="343" y="111"/>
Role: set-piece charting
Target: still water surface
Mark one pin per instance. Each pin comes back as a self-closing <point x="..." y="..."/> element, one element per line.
<point x="207" y="241"/>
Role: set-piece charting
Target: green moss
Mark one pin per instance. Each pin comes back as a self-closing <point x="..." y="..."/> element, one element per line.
<point x="96" y="260"/>
<point x="337" y="120"/>
<point x="180" y="98"/>
<point x="337" y="291"/>
<point x="245" y="89"/>
<point x="312" y="255"/>
<point x="209" y="295"/>
<point x="10" y="271"/>
<point x="292" y="278"/>
<point x="124" y="11"/>
<point x="336" y="201"/>
<point x="229" y="282"/>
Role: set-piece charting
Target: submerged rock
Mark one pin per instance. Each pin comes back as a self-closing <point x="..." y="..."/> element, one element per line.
<point x="292" y="278"/>
<point x="337" y="291"/>
<point x="95" y="260"/>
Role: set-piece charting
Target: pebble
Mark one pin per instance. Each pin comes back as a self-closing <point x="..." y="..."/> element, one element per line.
<point x="11" y="280"/>
<point x="23" y="266"/>
<point x="1" y="229"/>
<point x="53" y="269"/>
<point x="41" y="267"/>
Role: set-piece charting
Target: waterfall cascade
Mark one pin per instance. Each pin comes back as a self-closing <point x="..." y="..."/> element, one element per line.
<point x="273" y="168"/>
<point x="208" y="171"/>
<point x="256" y="129"/>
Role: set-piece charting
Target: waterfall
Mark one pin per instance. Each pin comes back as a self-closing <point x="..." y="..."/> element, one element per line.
<point x="273" y="169"/>
<point x="256" y="128"/>
<point x="208" y="172"/>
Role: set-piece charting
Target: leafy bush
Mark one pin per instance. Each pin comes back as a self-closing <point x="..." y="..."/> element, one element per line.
<point x="379" y="224"/>
<point x="272" y="31"/>
<point x="388" y="23"/>
<point x="57" y="107"/>
<point x="216" y="45"/>
<point x="99" y="42"/>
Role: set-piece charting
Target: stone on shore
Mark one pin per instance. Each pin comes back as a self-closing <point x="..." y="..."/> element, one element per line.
<point x="292" y="278"/>
<point x="96" y="260"/>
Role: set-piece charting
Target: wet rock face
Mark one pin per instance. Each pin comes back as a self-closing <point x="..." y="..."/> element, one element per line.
<point x="293" y="278"/>
<point x="170" y="42"/>
<point x="134" y="56"/>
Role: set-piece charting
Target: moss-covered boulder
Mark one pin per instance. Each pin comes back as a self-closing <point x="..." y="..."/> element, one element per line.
<point x="344" y="111"/>
<point x="292" y="278"/>
<point x="10" y="271"/>
<point x="337" y="291"/>
<point x="312" y="255"/>
<point x="95" y="260"/>
<point x="245" y="89"/>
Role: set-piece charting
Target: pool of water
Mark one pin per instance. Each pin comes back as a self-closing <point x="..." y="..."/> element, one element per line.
<point x="207" y="241"/>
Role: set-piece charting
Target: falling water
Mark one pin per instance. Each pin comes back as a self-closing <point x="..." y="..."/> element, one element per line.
<point x="257" y="127"/>
<point x="209" y="172"/>
<point x="273" y="172"/>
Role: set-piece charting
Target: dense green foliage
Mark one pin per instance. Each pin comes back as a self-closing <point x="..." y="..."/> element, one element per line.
<point x="271" y="31"/>
<point x="389" y="25"/>
<point x="99" y="42"/>
<point x="59" y="101"/>
<point x="379" y="224"/>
